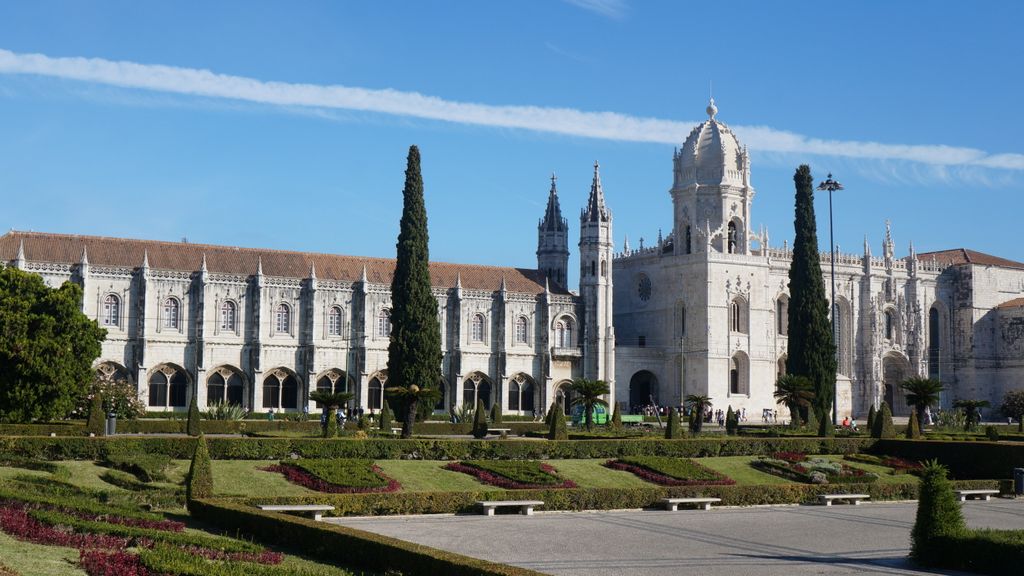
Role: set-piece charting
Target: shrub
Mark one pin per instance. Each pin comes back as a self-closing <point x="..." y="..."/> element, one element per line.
<point x="557" y="430"/>
<point x="145" y="466"/>
<point x="883" y="427"/>
<point x="97" y="418"/>
<point x="119" y="397"/>
<point x="674" y="429"/>
<point x="992" y="433"/>
<point x="872" y="413"/>
<point x="218" y="410"/>
<point x="913" y="427"/>
<point x="330" y="427"/>
<point x="814" y="471"/>
<point x="516" y="475"/>
<point x="192" y="427"/>
<point x="670" y="471"/>
<point x="386" y="418"/>
<point x="938" y="514"/>
<point x="732" y="423"/>
<point x="616" y="418"/>
<point x="496" y="413"/>
<point x="480" y="420"/>
<point x="199" y="481"/>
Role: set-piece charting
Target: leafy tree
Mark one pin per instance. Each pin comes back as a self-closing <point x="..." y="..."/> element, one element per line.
<point x="872" y="414"/>
<point x="414" y="353"/>
<point x="47" y="347"/>
<point x="616" y="419"/>
<point x="825" y="427"/>
<point x="972" y="412"/>
<point x="330" y="402"/>
<point x="883" y="427"/>
<point x="1013" y="406"/>
<point x="386" y="418"/>
<point x="697" y="404"/>
<point x="812" y="351"/>
<point x="557" y="429"/>
<point x="922" y="393"/>
<point x="796" y="393"/>
<point x="192" y="426"/>
<point x="96" y="423"/>
<point x="913" y="431"/>
<point x="674" y="429"/>
<point x="119" y="397"/>
<point x="480" y="420"/>
<point x="732" y="422"/>
<point x="496" y="413"/>
<point x="938" y="514"/>
<point x="587" y="393"/>
<point x="199" y="481"/>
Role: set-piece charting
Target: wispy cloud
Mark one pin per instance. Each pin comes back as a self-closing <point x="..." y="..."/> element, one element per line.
<point x="607" y="8"/>
<point x="566" y="121"/>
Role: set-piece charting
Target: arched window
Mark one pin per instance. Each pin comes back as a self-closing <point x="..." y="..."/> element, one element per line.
<point x="228" y="316"/>
<point x="782" y="316"/>
<point x="689" y="240"/>
<point x="522" y="330"/>
<point x="333" y="381"/>
<point x="168" y="387"/>
<point x="376" y="391"/>
<point x="738" y="374"/>
<point x="477" y="329"/>
<point x="280" y="390"/>
<point x="384" y="323"/>
<point x="283" y="318"/>
<point x="604" y="268"/>
<point x="215" y="386"/>
<point x="593" y="268"/>
<point x="734" y="377"/>
<point x="334" y="321"/>
<point x="520" y="394"/>
<point x="111" y="310"/>
<point x="732" y="237"/>
<point x="158" y="390"/>
<point x="890" y="322"/>
<point x="172" y="313"/>
<point x="738" y="316"/>
<point x="477" y="387"/>
<point x="224" y="385"/>
<point x="934" y="345"/>
<point x="563" y="333"/>
<point x="513" y="395"/>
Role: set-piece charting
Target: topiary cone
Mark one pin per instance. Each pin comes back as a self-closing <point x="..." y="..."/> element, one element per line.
<point x="674" y="429"/>
<point x="480" y="420"/>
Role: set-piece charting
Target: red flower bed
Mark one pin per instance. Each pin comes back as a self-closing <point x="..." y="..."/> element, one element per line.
<point x="663" y="480"/>
<point x="793" y="457"/>
<point x="901" y="465"/>
<point x="164" y="525"/>
<point x="264" y="557"/>
<point x="16" y="522"/>
<point x="307" y="480"/>
<point x="98" y="563"/>
<point x="503" y="482"/>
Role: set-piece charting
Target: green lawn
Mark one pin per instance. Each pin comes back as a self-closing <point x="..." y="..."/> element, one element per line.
<point x="38" y="560"/>
<point x="429" y="476"/>
<point x="591" y="474"/>
<point x="885" y="475"/>
<point x="244" y="478"/>
<point x="739" y="469"/>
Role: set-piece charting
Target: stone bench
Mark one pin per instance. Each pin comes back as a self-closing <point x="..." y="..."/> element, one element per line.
<point x="317" y="509"/>
<point x="525" y="506"/>
<point x="499" y="431"/>
<point x="396" y="430"/>
<point x="963" y="495"/>
<point x="672" y="504"/>
<point x="854" y="499"/>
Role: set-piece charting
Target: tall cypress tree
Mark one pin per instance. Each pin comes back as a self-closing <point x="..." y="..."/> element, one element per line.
<point x="812" y="351"/>
<point x="414" y="354"/>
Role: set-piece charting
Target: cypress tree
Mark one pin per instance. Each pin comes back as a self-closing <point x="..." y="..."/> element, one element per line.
<point x="692" y="422"/>
<point x="731" y="422"/>
<point x="557" y="430"/>
<point x="96" y="423"/>
<point x="496" y="414"/>
<point x="616" y="418"/>
<point x="883" y="427"/>
<point x="938" y="514"/>
<point x="192" y="426"/>
<point x="811" y="347"/>
<point x="386" y="418"/>
<point x="812" y="423"/>
<point x="913" y="431"/>
<point x="674" y="429"/>
<point x="825" y="427"/>
<point x="872" y="414"/>
<point x="414" y="353"/>
<point x="199" y="481"/>
<point x="550" y="414"/>
<point x="480" y="420"/>
<point x="331" y="427"/>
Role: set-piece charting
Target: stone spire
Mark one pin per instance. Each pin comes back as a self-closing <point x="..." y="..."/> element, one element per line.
<point x="553" y="220"/>
<point x="85" y="256"/>
<point x="888" y="248"/>
<point x="145" y="260"/>
<point x="596" y="211"/>
<point x="19" y="260"/>
<point x="363" y="278"/>
<point x="203" y="268"/>
<point x="312" y="270"/>
<point x="625" y="245"/>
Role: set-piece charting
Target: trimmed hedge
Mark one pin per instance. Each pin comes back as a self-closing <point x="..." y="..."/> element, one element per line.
<point x="429" y="449"/>
<point x="965" y="460"/>
<point x="346" y="546"/>
<point x="146" y="466"/>
<point x="984" y="551"/>
<point x="347" y="472"/>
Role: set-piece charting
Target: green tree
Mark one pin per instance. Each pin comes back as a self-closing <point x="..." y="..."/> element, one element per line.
<point x="587" y="393"/>
<point x="480" y="420"/>
<point x="883" y="427"/>
<point x="921" y="393"/>
<point x="386" y="418"/>
<point x="872" y="414"/>
<point x="616" y="419"/>
<point x="119" y="397"/>
<point x="938" y="514"/>
<point x="674" y="429"/>
<point x="330" y="402"/>
<point x="47" y="347"/>
<point x="1013" y="406"/>
<point x="794" y="392"/>
<point x="96" y="423"/>
<point x="812" y="424"/>
<point x="811" y="349"/>
<point x="972" y="412"/>
<point x="697" y="404"/>
<point x="192" y="425"/>
<point x="199" y="480"/>
<point x="414" y="353"/>
<point x="825" y="427"/>
<point x="913" y="431"/>
<point x="732" y="422"/>
<point x="496" y="413"/>
<point x="557" y="429"/>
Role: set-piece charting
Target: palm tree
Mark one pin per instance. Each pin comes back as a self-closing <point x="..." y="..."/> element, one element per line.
<point x="588" y="394"/>
<point x="972" y="411"/>
<point x="698" y="405"/>
<point x="796" y="393"/>
<point x="922" y="393"/>
<point x="410" y="397"/>
<point x="330" y="401"/>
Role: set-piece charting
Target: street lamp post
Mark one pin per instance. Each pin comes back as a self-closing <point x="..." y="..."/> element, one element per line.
<point x="832" y="186"/>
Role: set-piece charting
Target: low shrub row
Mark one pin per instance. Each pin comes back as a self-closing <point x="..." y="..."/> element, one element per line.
<point x="77" y="448"/>
<point x="516" y="474"/>
<point x="983" y="551"/>
<point x="146" y="466"/>
<point x="68" y="501"/>
<point x="670" y="471"/>
<point x="343" y="545"/>
<point x="965" y="460"/>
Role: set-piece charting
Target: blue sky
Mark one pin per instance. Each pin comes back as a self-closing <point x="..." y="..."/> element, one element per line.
<point x="295" y="137"/>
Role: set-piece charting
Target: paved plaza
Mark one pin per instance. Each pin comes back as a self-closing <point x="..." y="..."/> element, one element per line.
<point x="784" y="540"/>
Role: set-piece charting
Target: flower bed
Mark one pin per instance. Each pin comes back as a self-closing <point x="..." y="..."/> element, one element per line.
<point x="898" y="465"/>
<point x="668" y="471"/>
<point x="514" y="475"/>
<point x="801" y="468"/>
<point x="337" y="476"/>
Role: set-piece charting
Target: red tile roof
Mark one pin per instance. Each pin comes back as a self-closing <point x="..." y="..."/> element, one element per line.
<point x="1015" y="303"/>
<point x="187" y="257"/>
<point x="965" y="256"/>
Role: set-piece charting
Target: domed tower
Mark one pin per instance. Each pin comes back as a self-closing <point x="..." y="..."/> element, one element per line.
<point x="711" y="191"/>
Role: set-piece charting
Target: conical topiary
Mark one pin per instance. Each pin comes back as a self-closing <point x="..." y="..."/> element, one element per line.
<point x="96" y="424"/>
<point x="387" y="418"/>
<point x="550" y="414"/>
<point x="913" y="431"/>
<point x="732" y="422"/>
<point x="883" y="427"/>
<point x="938" y="514"/>
<point x="812" y="423"/>
<point x="199" y="481"/>
<point x="496" y="414"/>
<point x="192" y="427"/>
<point x="331" y="427"/>
<point x="825" y="427"/>
<point x="692" y="422"/>
<point x="674" y="429"/>
<point x="872" y="413"/>
<point x="480" y="420"/>
<point x="616" y="418"/>
<point x="557" y="429"/>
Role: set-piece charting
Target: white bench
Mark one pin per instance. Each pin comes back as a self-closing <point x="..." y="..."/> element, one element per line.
<point x="317" y="509"/>
<point x="396" y="430"/>
<point x="672" y="504"/>
<point x="499" y="431"/>
<point x="963" y="495"/>
<point x="525" y="506"/>
<point x="854" y="499"/>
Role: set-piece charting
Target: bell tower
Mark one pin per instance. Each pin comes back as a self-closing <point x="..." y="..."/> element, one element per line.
<point x="553" y="240"/>
<point x="596" y="286"/>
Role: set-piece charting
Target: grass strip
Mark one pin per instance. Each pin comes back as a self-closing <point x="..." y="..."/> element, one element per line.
<point x="73" y="503"/>
<point x="668" y="471"/>
<point x="170" y="560"/>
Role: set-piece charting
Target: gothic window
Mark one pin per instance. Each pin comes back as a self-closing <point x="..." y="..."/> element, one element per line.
<point x="522" y="330"/>
<point x="168" y="387"/>
<point x="334" y="321"/>
<point x="283" y="318"/>
<point x="477" y="329"/>
<point x="563" y="333"/>
<point x="889" y="325"/>
<point x="732" y="237"/>
<point x="376" y="391"/>
<point x="280" y="390"/>
<point x="689" y="241"/>
<point x="934" y="345"/>
<point x="172" y="313"/>
<point x="228" y="315"/>
<point x="477" y="388"/>
<point x="738" y="316"/>
<point x="384" y="323"/>
<point x="111" y="310"/>
<point x="682" y="320"/>
<point x="332" y="382"/>
<point x="513" y="395"/>
<point x="158" y="390"/>
<point x="738" y="376"/>
<point x="782" y="316"/>
<point x="224" y="386"/>
<point x="604" y="268"/>
<point x="734" y="378"/>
